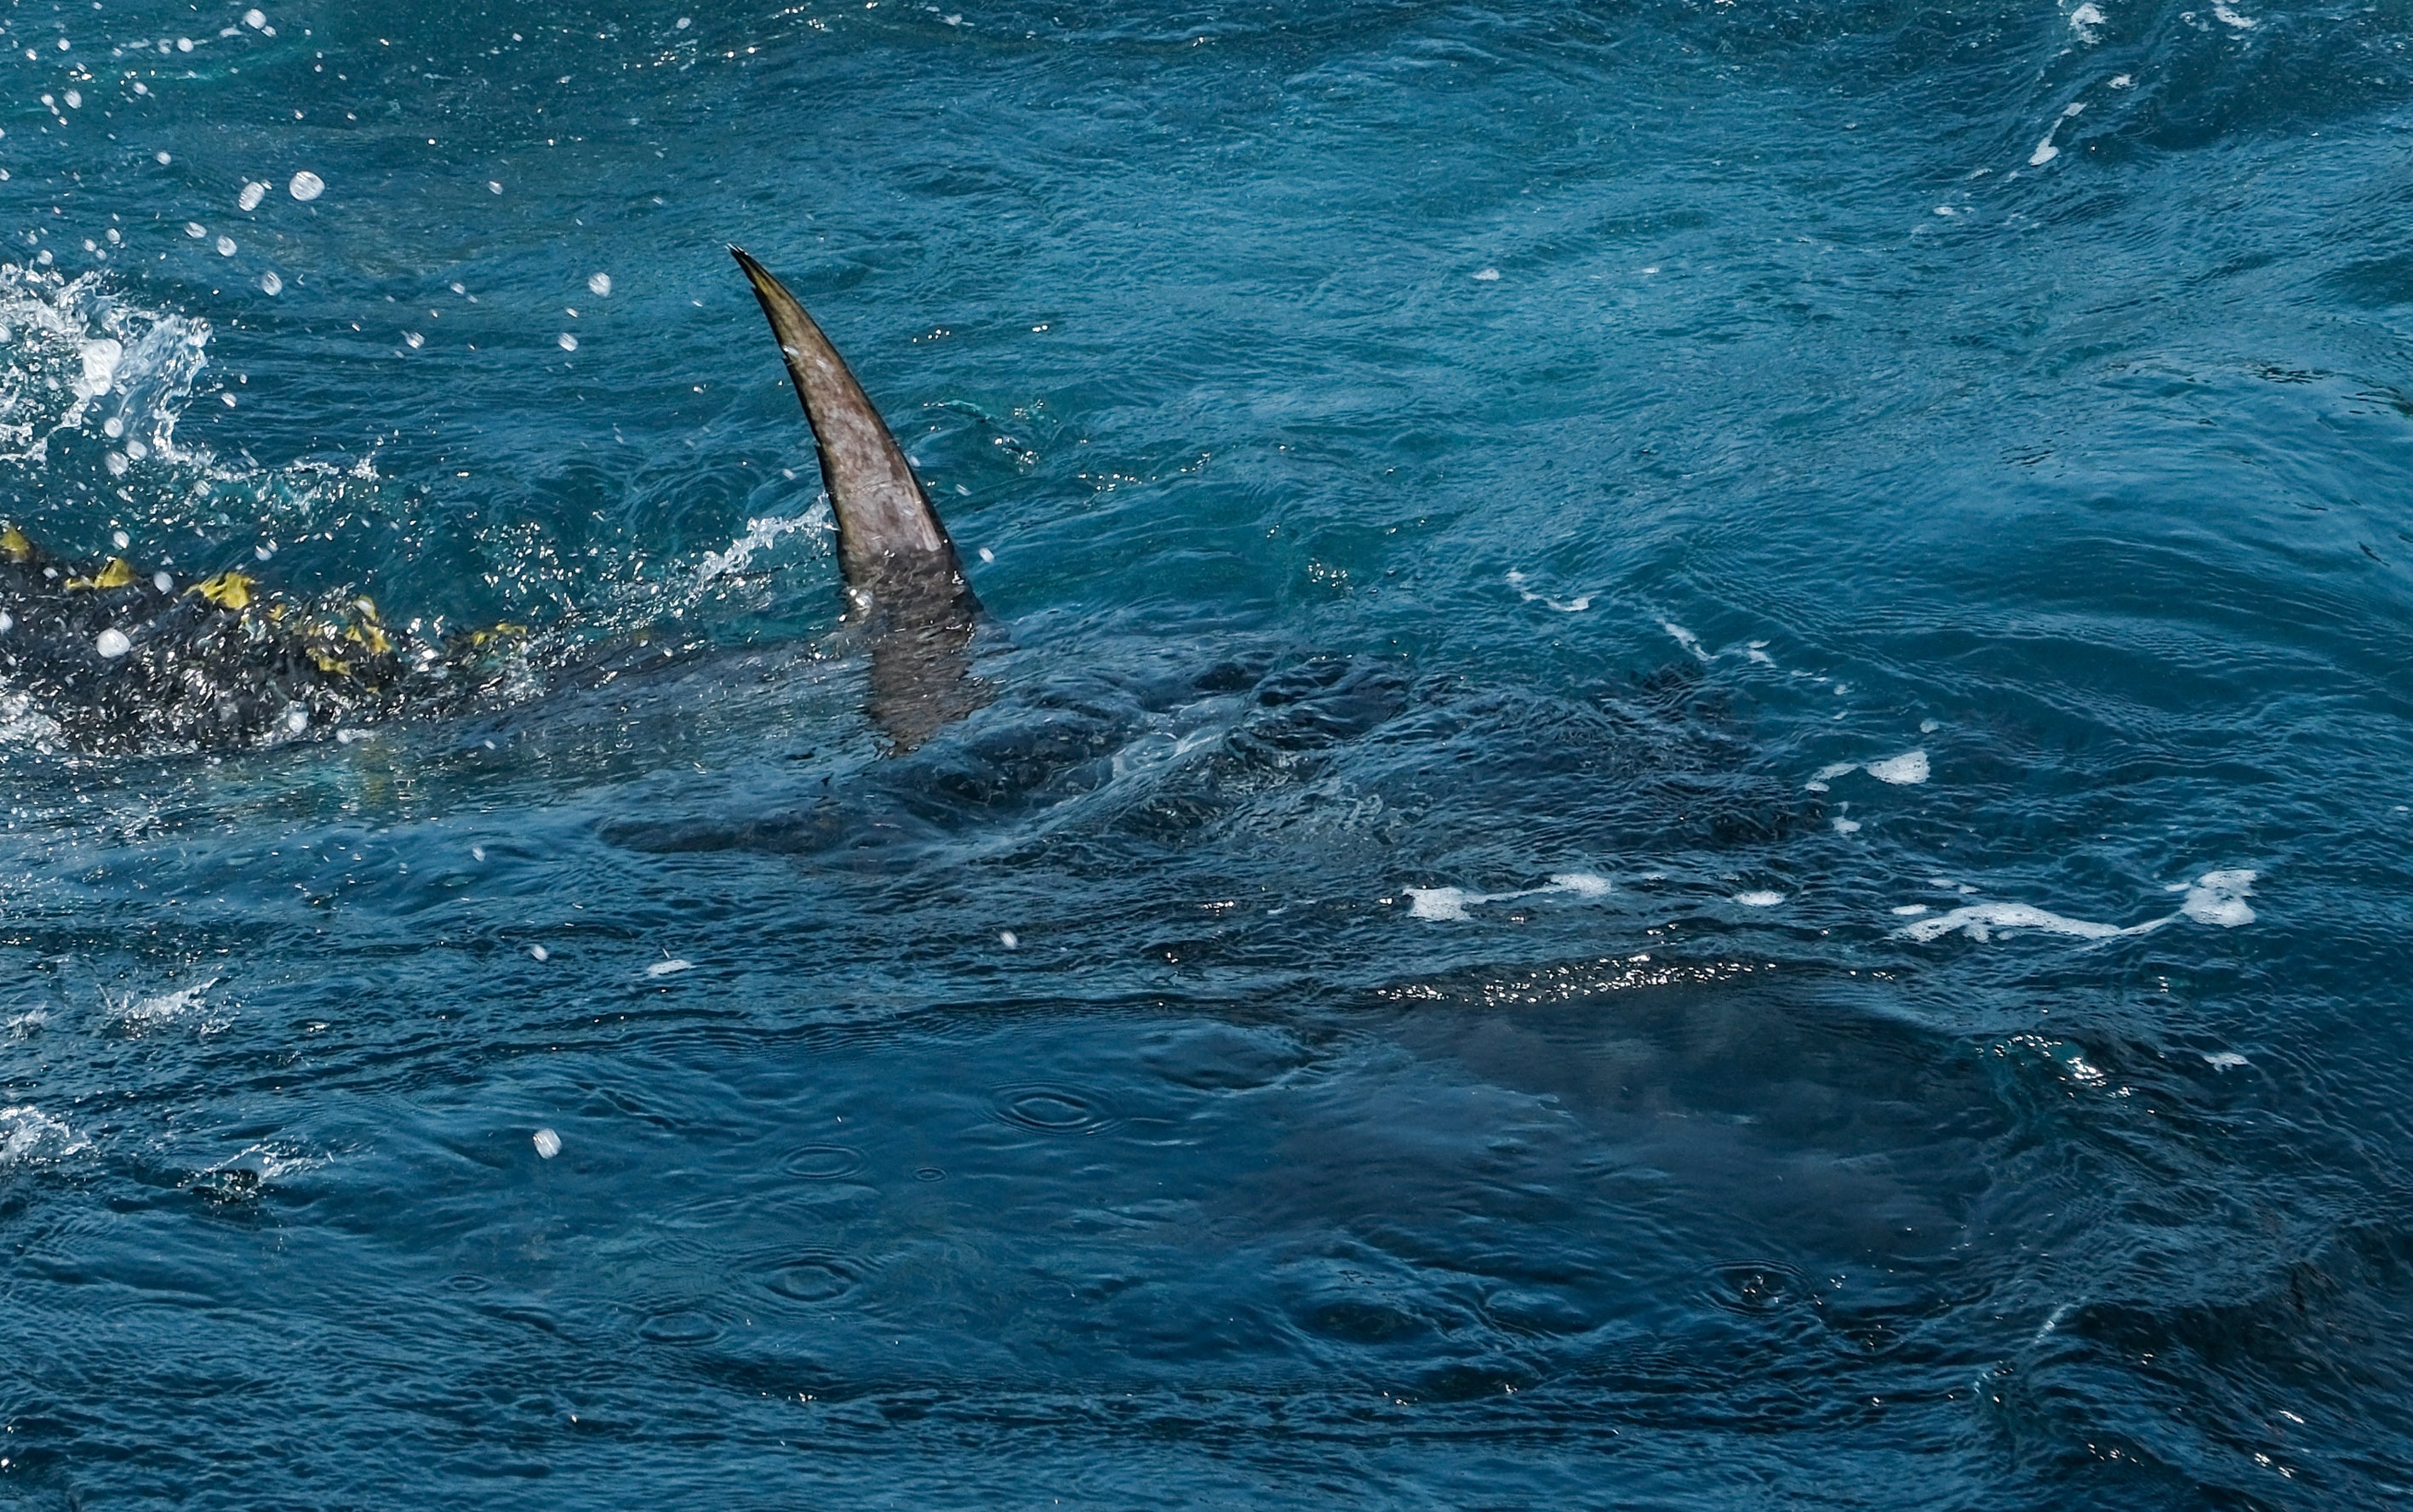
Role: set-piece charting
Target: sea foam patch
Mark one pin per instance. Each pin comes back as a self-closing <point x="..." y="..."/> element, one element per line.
<point x="1451" y="904"/>
<point x="2216" y="898"/>
<point x="1907" y="770"/>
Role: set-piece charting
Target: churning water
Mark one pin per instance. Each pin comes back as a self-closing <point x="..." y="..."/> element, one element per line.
<point x="1698" y="795"/>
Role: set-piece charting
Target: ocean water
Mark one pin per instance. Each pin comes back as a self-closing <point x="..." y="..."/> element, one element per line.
<point x="1699" y="795"/>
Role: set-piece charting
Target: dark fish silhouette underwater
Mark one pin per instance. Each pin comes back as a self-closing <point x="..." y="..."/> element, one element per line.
<point x="121" y="658"/>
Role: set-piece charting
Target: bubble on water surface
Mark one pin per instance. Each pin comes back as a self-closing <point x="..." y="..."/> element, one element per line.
<point x="537" y="952"/>
<point x="1759" y="899"/>
<point x="1902" y="771"/>
<point x="196" y="229"/>
<point x="569" y="343"/>
<point x="599" y="284"/>
<point x="254" y="18"/>
<point x="226" y="246"/>
<point x="1008" y="939"/>
<point x="306" y="186"/>
<point x="252" y="195"/>
<point x="111" y="643"/>
<point x="548" y="1144"/>
<point x="162" y="582"/>
<point x="270" y="284"/>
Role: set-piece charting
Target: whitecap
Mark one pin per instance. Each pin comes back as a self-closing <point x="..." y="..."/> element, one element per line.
<point x="1759" y="898"/>
<point x="2224" y="1059"/>
<point x="670" y="968"/>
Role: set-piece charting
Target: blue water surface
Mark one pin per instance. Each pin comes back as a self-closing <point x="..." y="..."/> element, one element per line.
<point x="1698" y="795"/>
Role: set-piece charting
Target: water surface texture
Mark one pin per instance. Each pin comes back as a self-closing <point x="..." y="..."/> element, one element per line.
<point x="1697" y="798"/>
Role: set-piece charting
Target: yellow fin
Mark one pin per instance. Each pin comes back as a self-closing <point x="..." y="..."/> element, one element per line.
<point x="16" y="545"/>
<point x="117" y="574"/>
<point x="228" y="590"/>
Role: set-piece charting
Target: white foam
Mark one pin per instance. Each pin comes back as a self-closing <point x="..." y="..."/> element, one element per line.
<point x="2224" y="1059"/>
<point x="1759" y="898"/>
<point x="1489" y="275"/>
<point x="548" y="1144"/>
<point x="27" y="1133"/>
<point x="306" y="186"/>
<point x="2083" y="21"/>
<point x="101" y="356"/>
<point x="2218" y="898"/>
<point x="1902" y="771"/>
<point x="1911" y="910"/>
<point x="1978" y="921"/>
<point x="1684" y="637"/>
<point x="669" y="968"/>
<point x="1847" y="827"/>
<point x="1441" y="902"/>
<point x="1570" y="606"/>
<point x="1451" y="904"/>
<point x="2231" y="18"/>
<point x="141" y="1015"/>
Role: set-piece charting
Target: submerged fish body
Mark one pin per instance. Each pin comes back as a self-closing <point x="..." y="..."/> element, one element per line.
<point x="120" y="658"/>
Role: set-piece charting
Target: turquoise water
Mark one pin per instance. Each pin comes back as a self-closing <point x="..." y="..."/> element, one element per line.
<point x="1698" y="795"/>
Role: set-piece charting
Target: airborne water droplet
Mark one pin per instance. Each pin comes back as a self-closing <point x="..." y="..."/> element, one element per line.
<point x="306" y="186"/>
<point x="270" y="282"/>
